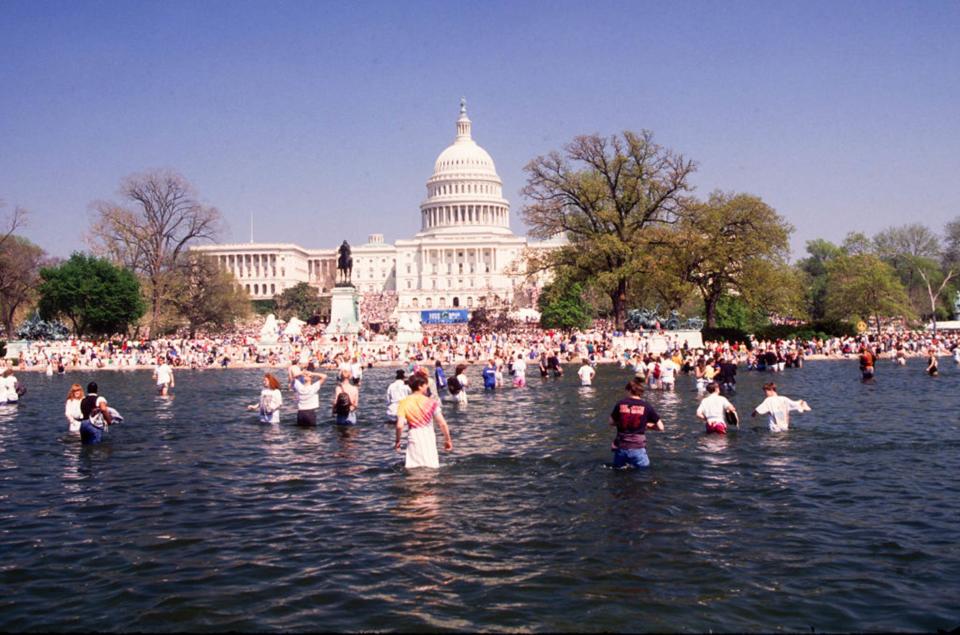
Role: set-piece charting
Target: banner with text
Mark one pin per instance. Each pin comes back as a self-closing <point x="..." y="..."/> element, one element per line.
<point x="443" y="316"/>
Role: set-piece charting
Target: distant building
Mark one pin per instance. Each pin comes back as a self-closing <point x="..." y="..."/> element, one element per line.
<point x="464" y="256"/>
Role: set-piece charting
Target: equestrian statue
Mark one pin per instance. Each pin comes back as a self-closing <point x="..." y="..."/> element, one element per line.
<point x="344" y="266"/>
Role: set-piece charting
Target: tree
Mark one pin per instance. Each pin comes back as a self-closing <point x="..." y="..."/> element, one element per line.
<point x="857" y="244"/>
<point x="821" y="254"/>
<point x="605" y="195"/>
<point x="300" y="300"/>
<point x="932" y="276"/>
<point x="907" y="249"/>
<point x="207" y="296"/>
<point x="733" y="243"/>
<point x="863" y="285"/>
<point x="20" y="262"/>
<point x="93" y="294"/>
<point x="951" y="244"/>
<point x="158" y="220"/>
<point x="562" y="306"/>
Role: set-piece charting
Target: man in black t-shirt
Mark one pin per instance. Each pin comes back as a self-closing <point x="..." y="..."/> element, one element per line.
<point x="632" y="416"/>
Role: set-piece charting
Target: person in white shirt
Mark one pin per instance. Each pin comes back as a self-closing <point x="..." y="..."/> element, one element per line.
<point x="519" y="372"/>
<point x="356" y="371"/>
<point x="778" y="408"/>
<point x="8" y="387"/>
<point x="668" y="373"/>
<point x="72" y="409"/>
<point x="307" y="386"/>
<point x="712" y="410"/>
<point x="163" y="373"/>
<point x="270" y="400"/>
<point x="586" y="374"/>
<point x="395" y="392"/>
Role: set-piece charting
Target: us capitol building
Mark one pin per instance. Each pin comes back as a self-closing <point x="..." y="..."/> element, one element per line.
<point x="464" y="256"/>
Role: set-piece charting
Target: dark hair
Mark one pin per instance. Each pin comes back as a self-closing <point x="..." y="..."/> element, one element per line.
<point x="460" y="369"/>
<point x="92" y="387"/>
<point x="401" y="374"/>
<point x="770" y="386"/>
<point x="417" y="381"/>
<point x="713" y="386"/>
<point x="635" y="387"/>
<point x="438" y="364"/>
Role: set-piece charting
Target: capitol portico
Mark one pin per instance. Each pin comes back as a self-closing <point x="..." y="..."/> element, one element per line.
<point x="464" y="255"/>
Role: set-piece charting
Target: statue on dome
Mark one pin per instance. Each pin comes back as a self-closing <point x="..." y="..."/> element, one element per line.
<point x="344" y="265"/>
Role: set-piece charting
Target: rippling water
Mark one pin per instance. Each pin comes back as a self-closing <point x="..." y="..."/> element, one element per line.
<point x="195" y="517"/>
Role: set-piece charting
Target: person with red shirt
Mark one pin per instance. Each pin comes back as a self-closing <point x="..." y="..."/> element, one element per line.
<point x="632" y="416"/>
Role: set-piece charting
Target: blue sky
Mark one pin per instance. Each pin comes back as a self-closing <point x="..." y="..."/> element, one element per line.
<point x="323" y="119"/>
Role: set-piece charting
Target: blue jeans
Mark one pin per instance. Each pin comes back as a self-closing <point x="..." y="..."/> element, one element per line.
<point x="89" y="433"/>
<point x="633" y="458"/>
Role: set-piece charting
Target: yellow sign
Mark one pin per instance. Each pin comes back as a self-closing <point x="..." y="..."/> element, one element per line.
<point x="861" y="326"/>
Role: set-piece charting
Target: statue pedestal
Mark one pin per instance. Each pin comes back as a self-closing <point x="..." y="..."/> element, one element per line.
<point x="344" y="312"/>
<point x="408" y="328"/>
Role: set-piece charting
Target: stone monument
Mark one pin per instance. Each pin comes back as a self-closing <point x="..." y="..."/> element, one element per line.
<point x="268" y="333"/>
<point x="344" y="299"/>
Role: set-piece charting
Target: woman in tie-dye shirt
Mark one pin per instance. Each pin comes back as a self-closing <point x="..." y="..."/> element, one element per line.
<point x="419" y="412"/>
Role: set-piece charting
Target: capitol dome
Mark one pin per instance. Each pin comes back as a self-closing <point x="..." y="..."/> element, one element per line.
<point x="464" y="194"/>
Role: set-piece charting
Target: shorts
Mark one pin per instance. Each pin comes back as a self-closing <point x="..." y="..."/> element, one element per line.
<point x="519" y="382"/>
<point x="307" y="417"/>
<point x="634" y="458"/>
<point x="716" y="427"/>
<point x="347" y="420"/>
<point x="89" y="433"/>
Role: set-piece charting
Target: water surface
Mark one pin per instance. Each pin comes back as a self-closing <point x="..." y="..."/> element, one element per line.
<point x="195" y="517"/>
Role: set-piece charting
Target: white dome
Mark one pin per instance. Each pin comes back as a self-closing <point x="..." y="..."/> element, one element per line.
<point x="464" y="194"/>
<point x="464" y="157"/>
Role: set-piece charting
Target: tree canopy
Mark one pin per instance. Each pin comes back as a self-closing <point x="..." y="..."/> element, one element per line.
<point x="300" y="300"/>
<point x="604" y="195"/>
<point x="862" y="286"/>
<point x="562" y="306"/>
<point x="95" y="296"/>
<point x="148" y="232"/>
<point x="206" y="296"/>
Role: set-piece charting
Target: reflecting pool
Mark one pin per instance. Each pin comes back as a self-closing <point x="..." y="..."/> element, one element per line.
<point x="193" y="516"/>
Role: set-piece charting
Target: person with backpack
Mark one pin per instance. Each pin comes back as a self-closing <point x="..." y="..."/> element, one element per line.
<point x="96" y="416"/>
<point x="457" y="385"/>
<point x="346" y="398"/>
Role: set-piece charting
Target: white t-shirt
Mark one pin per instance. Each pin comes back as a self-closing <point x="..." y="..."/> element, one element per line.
<point x="395" y="392"/>
<point x="270" y="402"/>
<point x="164" y="374"/>
<point x="8" y="388"/>
<point x="356" y="371"/>
<point x="667" y="371"/>
<point x="713" y="406"/>
<point x="308" y="395"/>
<point x="519" y="367"/>
<point x="586" y="374"/>
<point x="778" y="408"/>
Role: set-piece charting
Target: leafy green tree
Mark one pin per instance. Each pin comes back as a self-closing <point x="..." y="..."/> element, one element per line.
<point x="300" y="300"/>
<point x="206" y="296"/>
<point x="734" y="243"/>
<point x="734" y="312"/>
<point x="863" y="285"/>
<point x="94" y="295"/>
<point x="605" y="195"/>
<point x="820" y="254"/>
<point x="562" y="306"/>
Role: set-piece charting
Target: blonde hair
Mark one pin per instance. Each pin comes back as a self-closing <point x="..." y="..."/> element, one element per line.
<point x="74" y="388"/>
